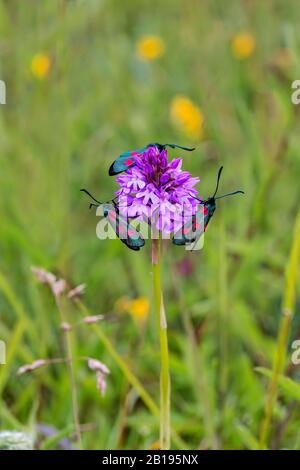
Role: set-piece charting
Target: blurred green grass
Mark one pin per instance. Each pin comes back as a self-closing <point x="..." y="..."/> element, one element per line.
<point x="60" y="134"/>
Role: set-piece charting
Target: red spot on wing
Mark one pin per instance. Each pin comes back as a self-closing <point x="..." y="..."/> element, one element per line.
<point x="205" y="210"/>
<point x="129" y="162"/>
<point x="121" y="229"/>
<point x="131" y="233"/>
<point x="185" y="231"/>
<point x="112" y="215"/>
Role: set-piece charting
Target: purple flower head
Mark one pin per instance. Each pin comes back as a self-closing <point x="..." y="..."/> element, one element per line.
<point x="157" y="191"/>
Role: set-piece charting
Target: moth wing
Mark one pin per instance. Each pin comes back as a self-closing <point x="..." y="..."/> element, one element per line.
<point x="122" y="163"/>
<point x="125" y="161"/>
<point x="124" y="230"/>
<point x="197" y="245"/>
<point x="185" y="234"/>
<point x="191" y="230"/>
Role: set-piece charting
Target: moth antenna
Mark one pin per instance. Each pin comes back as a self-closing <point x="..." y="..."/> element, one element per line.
<point x="218" y="180"/>
<point x="89" y="194"/>
<point x="216" y="190"/>
<point x="173" y="146"/>
<point x="230" y="194"/>
<point x="195" y="197"/>
<point x="93" y="205"/>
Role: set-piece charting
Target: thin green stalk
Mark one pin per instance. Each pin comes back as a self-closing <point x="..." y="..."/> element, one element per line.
<point x="288" y="306"/>
<point x="132" y="379"/>
<point x="69" y="359"/>
<point x="165" y="429"/>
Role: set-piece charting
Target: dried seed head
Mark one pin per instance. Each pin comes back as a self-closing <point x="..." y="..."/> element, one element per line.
<point x="30" y="367"/>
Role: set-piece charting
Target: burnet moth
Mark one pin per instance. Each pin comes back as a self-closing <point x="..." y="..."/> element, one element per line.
<point x="119" y="223"/>
<point x="192" y="230"/>
<point x="127" y="159"/>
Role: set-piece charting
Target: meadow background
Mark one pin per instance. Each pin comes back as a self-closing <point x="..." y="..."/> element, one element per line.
<point x="83" y="85"/>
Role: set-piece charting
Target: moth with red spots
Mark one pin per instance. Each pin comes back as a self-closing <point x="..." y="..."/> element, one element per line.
<point x="119" y="223"/>
<point x="127" y="159"/>
<point x="191" y="231"/>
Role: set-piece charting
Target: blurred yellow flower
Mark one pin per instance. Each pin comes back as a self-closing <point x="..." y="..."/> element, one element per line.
<point x="150" y="48"/>
<point x="138" y="308"/>
<point x="155" y="446"/>
<point x="187" y="116"/>
<point x="243" y="45"/>
<point x="40" y="65"/>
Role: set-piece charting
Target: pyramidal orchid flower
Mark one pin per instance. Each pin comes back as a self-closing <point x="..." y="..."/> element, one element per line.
<point x="158" y="190"/>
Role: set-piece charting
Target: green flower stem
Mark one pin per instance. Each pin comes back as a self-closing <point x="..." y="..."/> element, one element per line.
<point x="288" y="307"/>
<point x="132" y="379"/>
<point x="164" y="353"/>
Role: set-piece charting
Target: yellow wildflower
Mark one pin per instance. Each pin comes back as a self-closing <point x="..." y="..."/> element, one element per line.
<point x="187" y="116"/>
<point x="150" y="48"/>
<point x="40" y="65"/>
<point x="137" y="308"/>
<point x="155" y="446"/>
<point x="243" y="45"/>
